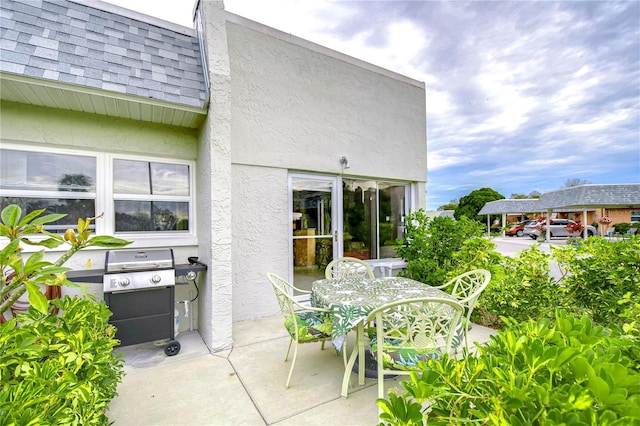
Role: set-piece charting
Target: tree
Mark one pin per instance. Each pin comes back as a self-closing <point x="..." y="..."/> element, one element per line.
<point x="534" y="194"/>
<point x="518" y="196"/>
<point x="570" y="183"/>
<point x="471" y="204"/>
<point x="453" y="204"/>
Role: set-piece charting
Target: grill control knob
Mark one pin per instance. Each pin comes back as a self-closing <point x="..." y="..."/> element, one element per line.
<point x="124" y="282"/>
<point x="156" y="279"/>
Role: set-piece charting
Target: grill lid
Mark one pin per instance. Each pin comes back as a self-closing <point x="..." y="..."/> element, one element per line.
<point x="138" y="260"/>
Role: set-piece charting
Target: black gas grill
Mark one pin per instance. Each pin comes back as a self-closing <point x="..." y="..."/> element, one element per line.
<point x="139" y="288"/>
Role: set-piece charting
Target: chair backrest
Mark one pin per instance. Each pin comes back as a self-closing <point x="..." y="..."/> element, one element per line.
<point x="348" y="267"/>
<point x="280" y="287"/>
<point x="425" y="324"/>
<point x="467" y="287"/>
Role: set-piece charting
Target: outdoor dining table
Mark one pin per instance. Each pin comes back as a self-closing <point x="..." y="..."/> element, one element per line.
<point x="350" y="302"/>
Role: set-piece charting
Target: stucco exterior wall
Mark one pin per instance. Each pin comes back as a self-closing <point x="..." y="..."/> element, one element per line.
<point x="215" y="323"/>
<point x="260" y="244"/>
<point x="303" y="107"/>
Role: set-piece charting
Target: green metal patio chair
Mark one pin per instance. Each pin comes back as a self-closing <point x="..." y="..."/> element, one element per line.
<point x="411" y="331"/>
<point x="467" y="288"/>
<point x="348" y="267"/>
<point x="305" y="324"/>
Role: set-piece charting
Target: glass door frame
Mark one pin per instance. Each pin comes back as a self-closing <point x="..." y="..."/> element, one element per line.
<point x="336" y="216"/>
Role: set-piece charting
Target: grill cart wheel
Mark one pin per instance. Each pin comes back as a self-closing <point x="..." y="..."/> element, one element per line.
<point x="172" y="348"/>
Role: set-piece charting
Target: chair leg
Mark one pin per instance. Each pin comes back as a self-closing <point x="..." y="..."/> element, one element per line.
<point x="293" y="363"/>
<point x="466" y="337"/>
<point x="286" y="357"/>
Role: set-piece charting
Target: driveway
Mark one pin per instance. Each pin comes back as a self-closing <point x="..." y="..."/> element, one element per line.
<point x="511" y="246"/>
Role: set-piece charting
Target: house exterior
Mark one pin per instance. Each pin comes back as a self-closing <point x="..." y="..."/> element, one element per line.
<point x="250" y="148"/>
<point x="619" y="202"/>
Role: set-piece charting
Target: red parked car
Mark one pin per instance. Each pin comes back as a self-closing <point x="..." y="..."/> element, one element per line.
<point x="518" y="228"/>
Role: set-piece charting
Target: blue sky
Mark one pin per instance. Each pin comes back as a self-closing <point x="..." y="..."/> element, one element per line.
<point x="521" y="96"/>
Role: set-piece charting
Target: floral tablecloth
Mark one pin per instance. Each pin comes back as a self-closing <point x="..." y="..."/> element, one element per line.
<point x="351" y="300"/>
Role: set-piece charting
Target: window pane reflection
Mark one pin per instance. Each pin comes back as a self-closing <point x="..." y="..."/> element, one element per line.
<point x="47" y="172"/>
<point x="74" y="210"/>
<point x="142" y="177"/>
<point x="131" y="177"/>
<point x="373" y="215"/>
<point x="137" y="216"/>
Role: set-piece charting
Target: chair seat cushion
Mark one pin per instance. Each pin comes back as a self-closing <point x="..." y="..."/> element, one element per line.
<point x="399" y="358"/>
<point x="312" y="326"/>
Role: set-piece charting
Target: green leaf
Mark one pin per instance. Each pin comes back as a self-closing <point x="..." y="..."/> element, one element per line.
<point x="48" y="219"/>
<point x="9" y="250"/>
<point x="29" y="217"/>
<point x="11" y="215"/>
<point x="36" y="298"/>
<point x="107" y="241"/>
<point x="48" y="243"/>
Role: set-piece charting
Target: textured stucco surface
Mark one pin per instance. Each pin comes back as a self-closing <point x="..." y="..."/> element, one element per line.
<point x="297" y="108"/>
<point x="260" y="244"/>
<point x="300" y="109"/>
<point x="215" y="245"/>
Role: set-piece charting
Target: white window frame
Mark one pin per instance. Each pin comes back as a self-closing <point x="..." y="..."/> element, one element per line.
<point x="105" y="199"/>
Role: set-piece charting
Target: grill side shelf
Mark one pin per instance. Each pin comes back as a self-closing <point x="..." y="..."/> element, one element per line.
<point x="96" y="275"/>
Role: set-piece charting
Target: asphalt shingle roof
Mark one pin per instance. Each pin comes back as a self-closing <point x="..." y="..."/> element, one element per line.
<point x="74" y="43"/>
<point x="623" y="195"/>
<point x="511" y="206"/>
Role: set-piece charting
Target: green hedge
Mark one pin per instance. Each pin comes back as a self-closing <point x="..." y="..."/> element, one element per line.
<point x="59" y="369"/>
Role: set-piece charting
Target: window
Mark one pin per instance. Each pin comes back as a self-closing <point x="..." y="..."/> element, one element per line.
<point x="146" y="196"/>
<point x="373" y="217"/>
<point x="635" y="216"/>
<point x="59" y="183"/>
<point x="150" y="196"/>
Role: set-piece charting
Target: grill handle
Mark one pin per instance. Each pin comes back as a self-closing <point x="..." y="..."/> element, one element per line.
<point x="147" y="266"/>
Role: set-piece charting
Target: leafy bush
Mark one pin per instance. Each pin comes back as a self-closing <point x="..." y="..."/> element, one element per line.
<point x="58" y="369"/>
<point x="521" y="288"/>
<point x="598" y="275"/>
<point x="622" y="227"/>
<point x="429" y="245"/>
<point x="532" y="373"/>
<point x="54" y="369"/>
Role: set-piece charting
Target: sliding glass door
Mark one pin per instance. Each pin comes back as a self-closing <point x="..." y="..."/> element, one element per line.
<point x="373" y="217"/>
<point x="314" y="227"/>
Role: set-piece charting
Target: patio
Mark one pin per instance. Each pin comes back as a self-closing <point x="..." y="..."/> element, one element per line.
<point x="245" y="385"/>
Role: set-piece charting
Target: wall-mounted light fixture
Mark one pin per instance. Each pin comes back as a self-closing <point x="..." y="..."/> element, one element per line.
<point x="344" y="162"/>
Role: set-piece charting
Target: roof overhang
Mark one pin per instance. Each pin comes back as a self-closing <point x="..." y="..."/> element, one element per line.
<point x="34" y="91"/>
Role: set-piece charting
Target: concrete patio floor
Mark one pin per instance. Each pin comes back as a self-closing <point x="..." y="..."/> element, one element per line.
<point x="245" y="385"/>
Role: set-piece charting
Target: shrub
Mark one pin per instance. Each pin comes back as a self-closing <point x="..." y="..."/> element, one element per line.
<point x="521" y="288"/>
<point x="598" y="275"/>
<point x="429" y="245"/>
<point x="59" y="369"/>
<point x="532" y="373"/>
<point x="54" y="369"/>
<point x="622" y="227"/>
